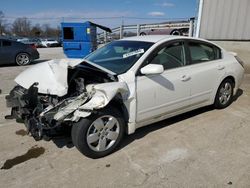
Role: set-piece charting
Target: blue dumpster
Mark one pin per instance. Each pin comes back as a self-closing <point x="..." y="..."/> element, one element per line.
<point x="79" y="39"/>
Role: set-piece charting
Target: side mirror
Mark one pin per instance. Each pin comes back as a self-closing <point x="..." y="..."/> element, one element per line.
<point x="152" y="69"/>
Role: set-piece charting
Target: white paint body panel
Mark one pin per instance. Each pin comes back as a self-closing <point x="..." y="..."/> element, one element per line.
<point x="51" y="76"/>
<point x="148" y="99"/>
<point x="163" y="93"/>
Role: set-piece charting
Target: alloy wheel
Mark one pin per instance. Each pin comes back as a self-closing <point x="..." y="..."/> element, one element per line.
<point x="225" y="93"/>
<point x="22" y="59"/>
<point x="103" y="133"/>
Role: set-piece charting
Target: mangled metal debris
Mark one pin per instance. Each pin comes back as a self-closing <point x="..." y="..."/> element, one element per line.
<point x="44" y="102"/>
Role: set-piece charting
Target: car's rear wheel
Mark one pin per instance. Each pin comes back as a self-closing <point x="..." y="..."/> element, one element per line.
<point x="22" y="59"/>
<point x="176" y="32"/>
<point x="99" y="134"/>
<point x="143" y="34"/>
<point x="224" y="94"/>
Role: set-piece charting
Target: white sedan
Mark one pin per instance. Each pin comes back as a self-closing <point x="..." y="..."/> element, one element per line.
<point x="49" y="43"/>
<point x="122" y="86"/>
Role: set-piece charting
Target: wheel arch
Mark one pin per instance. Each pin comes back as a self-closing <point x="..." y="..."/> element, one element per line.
<point x="231" y="77"/>
<point x="143" y="33"/>
<point x="118" y="103"/>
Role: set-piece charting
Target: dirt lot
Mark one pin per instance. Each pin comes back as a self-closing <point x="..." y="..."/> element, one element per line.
<point x="203" y="148"/>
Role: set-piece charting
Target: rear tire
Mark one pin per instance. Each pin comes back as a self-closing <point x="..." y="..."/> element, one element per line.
<point x="99" y="134"/>
<point x="176" y="32"/>
<point x="224" y="95"/>
<point x="22" y="59"/>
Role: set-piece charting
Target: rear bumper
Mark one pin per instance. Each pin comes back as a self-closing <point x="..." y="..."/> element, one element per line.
<point x="53" y="45"/>
<point x="239" y="78"/>
<point x="35" y="55"/>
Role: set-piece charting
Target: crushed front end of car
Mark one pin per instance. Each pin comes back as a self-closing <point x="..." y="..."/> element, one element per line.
<point x="56" y="94"/>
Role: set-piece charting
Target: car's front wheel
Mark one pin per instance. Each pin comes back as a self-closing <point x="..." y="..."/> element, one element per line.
<point x="22" y="59"/>
<point x="99" y="134"/>
<point x="224" y="96"/>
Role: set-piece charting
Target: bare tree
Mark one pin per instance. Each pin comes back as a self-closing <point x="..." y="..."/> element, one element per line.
<point x="50" y="32"/>
<point x="2" y="23"/>
<point x="21" y="27"/>
<point x="36" y="31"/>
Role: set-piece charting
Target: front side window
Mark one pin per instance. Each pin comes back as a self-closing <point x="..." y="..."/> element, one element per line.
<point x="119" y="56"/>
<point x="200" y="52"/>
<point x="171" y="56"/>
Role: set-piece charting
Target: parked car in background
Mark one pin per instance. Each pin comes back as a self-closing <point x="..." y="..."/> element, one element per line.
<point x="123" y="86"/>
<point x="49" y="43"/>
<point x="166" y="31"/>
<point x="13" y="52"/>
<point x="26" y="41"/>
<point x="37" y="42"/>
<point x="32" y="41"/>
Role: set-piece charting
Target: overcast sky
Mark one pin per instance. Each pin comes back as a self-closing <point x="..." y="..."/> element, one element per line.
<point x="106" y="12"/>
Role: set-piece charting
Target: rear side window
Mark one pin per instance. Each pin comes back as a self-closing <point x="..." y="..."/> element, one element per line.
<point x="201" y="52"/>
<point x="6" y="43"/>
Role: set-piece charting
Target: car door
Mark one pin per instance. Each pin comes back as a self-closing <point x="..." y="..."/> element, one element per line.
<point x="206" y="70"/>
<point x="168" y="92"/>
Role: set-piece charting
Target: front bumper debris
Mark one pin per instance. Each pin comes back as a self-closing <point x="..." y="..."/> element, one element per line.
<point x="42" y="115"/>
<point x="24" y="105"/>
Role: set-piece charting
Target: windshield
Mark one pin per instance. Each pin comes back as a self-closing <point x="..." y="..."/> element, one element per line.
<point x="119" y="56"/>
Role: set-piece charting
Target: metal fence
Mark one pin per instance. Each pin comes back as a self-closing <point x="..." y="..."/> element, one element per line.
<point x="119" y="31"/>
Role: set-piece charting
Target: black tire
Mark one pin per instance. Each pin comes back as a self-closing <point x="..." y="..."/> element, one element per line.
<point x="217" y="102"/>
<point x="176" y="32"/>
<point x="22" y="59"/>
<point x="73" y="134"/>
<point x="81" y="129"/>
<point x="143" y="34"/>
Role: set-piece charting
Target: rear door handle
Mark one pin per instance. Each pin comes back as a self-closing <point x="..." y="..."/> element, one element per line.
<point x="185" y="78"/>
<point x="220" y="67"/>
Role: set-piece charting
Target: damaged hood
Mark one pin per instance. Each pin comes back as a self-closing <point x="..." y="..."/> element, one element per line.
<point x="52" y="75"/>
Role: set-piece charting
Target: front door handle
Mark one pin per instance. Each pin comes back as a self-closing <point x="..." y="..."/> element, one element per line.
<point x="220" y="67"/>
<point x="185" y="78"/>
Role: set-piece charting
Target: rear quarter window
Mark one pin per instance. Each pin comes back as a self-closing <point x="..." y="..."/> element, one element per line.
<point x="6" y="43"/>
<point x="202" y="52"/>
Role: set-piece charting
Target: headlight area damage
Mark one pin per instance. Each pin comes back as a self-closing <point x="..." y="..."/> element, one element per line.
<point x="55" y="93"/>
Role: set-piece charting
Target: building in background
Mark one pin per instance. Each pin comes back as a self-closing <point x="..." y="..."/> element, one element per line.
<point x="224" y="20"/>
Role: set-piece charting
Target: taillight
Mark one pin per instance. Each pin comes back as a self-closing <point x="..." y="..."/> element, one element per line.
<point x="239" y="61"/>
<point x="33" y="46"/>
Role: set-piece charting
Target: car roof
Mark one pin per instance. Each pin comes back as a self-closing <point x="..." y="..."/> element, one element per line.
<point x="6" y="38"/>
<point x="151" y="38"/>
<point x="157" y="38"/>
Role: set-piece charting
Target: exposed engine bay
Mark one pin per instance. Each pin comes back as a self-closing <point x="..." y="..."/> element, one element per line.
<point x="54" y="93"/>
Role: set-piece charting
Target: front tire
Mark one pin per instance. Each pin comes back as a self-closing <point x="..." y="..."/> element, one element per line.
<point x="22" y="59"/>
<point x="99" y="134"/>
<point x="224" y="95"/>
